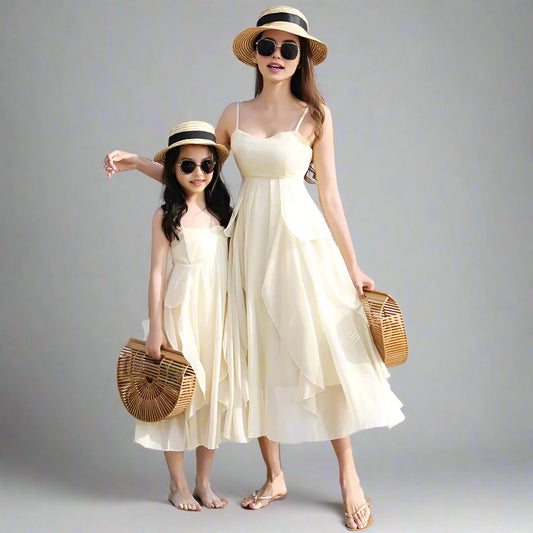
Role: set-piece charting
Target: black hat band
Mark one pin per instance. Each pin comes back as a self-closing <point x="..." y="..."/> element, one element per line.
<point x="282" y="17"/>
<point x="183" y="135"/>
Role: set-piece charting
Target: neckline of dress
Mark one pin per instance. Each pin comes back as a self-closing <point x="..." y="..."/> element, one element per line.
<point x="297" y="133"/>
<point x="206" y="227"/>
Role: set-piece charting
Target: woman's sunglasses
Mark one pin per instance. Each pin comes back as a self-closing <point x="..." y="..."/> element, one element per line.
<point x="188" y="166"/>
<point x="266" y="47"/>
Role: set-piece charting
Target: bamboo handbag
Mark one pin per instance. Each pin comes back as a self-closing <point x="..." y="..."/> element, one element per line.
<point x="386" y="325"/>
<point x="154" y="390"/>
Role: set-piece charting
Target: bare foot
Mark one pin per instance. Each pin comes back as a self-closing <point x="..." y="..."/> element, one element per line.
<point x="270" y="491"/>
<point x="184" y="500"/>
<point x="356" y="506"/>
<point x="207" y="497"/>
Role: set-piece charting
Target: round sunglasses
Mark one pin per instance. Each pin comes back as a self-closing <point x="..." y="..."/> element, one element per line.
<point x="187" y="166"/>
<point x="266" y="47"/>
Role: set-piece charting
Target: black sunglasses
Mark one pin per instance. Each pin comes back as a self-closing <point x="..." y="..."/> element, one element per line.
<point x="266" y="47"/>
<point x="187" y="166"/>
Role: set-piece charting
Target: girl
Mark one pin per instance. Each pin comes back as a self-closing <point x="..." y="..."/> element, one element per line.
<point x="187" y="311"/>
<point x="303" y="366"/>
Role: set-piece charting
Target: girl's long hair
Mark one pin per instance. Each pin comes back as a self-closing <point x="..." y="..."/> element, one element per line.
<point x="303" y="85"/>
<point x="217" y="197"/>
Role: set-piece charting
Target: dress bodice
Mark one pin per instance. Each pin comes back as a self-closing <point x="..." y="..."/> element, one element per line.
<point x="273" y="169"/>
<point x="283" y="155"/>
<point x="197" y="245"/>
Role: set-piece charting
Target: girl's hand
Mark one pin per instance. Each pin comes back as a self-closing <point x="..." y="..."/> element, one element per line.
<point x="119" y="161"/>
<point x="360" y="281"/>
<point x="154" y="342"/>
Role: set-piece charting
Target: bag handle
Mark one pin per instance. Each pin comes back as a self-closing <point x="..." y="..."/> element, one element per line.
<point x="166" y="353"/>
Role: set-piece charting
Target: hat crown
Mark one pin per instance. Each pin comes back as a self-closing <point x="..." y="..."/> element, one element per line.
<point x="192" y="125"/>
<point x="284" y="9"/>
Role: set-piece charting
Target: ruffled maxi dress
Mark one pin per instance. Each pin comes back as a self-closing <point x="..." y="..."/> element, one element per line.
<point x="301" y="361"/>
<point x="194" y="310"/>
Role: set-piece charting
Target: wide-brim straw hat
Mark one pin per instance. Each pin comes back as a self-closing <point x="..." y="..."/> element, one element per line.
<point x="192" y="132"/>
<point x="282" y="18"/>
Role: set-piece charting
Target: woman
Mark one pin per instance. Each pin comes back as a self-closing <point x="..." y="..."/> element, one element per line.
<point x="301" y="361"/>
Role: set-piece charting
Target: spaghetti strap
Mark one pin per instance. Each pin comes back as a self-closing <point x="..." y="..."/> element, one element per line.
<point x="301" y="119"/>
<point x="237" y="117"/>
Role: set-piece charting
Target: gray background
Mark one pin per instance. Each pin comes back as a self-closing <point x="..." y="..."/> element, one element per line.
<point x="433" y="118"/>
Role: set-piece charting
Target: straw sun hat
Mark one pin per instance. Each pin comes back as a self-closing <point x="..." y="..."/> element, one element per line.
<point x="282" y="18"/>
<point x="192" y="132"/>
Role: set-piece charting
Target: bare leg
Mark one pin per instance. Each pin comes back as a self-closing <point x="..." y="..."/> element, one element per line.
<point x="180" y="496"/>
<point x="352" y="493"/>
<point x="202" y="489"/>
<point x="274" y="486"/>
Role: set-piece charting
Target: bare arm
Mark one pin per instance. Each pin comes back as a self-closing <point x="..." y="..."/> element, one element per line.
<point x="120" y="161"/>
<point x="156" y="288"/>
<point x="330" y="201"/>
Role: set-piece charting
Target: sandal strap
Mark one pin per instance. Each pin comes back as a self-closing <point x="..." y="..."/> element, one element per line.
<point x="356" y="513"/>
<point x="256" y="497"/>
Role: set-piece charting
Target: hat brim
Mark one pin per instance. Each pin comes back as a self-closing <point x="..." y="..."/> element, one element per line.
<point x="222" y="151"/>
<point x="243" y="44"/>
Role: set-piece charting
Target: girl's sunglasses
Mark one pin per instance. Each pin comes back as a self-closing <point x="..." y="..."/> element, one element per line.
<point x="266" y="47"/>
<point x="188" y="167"/>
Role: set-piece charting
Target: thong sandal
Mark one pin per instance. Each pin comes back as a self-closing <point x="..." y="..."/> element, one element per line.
<point x="267" y="499"/>
<point x="357" y="514"/>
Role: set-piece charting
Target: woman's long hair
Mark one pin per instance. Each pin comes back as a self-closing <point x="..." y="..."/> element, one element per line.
<point x="303" y="85"/>
<point x="217" y="197"/>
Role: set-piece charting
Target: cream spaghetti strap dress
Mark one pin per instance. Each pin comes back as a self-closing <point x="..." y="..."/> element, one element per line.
<point x="301" y="362"/>
<point x="194" y="309"/>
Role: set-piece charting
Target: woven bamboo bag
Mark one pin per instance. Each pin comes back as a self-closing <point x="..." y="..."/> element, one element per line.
<point x="386" y="325"/>
<point x="154" y="390"/>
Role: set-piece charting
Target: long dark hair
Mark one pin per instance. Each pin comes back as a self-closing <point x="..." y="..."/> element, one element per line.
<point x="217" y="197"/>
<point x="303" y="85"/>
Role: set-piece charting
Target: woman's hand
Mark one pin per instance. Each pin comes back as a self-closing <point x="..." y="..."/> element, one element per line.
<point x="362" y="281"/>
<point x="119" y="161"/>
<point x="154" y="342"/>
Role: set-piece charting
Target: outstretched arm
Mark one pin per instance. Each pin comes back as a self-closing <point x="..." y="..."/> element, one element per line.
<point x="156" y="288"/>
<point x="120" y="161"/>
<point x="330" y="201"/>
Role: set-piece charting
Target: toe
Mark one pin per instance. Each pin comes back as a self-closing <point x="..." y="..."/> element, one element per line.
<point x="350" y="523"/>
<point x="362" y="519"/>
<point x="247" y="501"/>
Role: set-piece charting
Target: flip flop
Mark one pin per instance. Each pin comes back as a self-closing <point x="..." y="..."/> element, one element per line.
<point x="369" y="522"/>
<point x="267" y="499"/>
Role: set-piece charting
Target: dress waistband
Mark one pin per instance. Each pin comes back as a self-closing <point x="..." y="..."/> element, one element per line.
<point x="269" y="177"/>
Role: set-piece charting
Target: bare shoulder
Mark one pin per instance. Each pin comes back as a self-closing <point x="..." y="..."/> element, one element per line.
<point x="307" y="128"/>
<point x="229" y="110"/>
<point x="226" y="124"/>
<point x="158" y="215"/>
<point x="327" y="126"/>
<point x="327" y="113"/>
